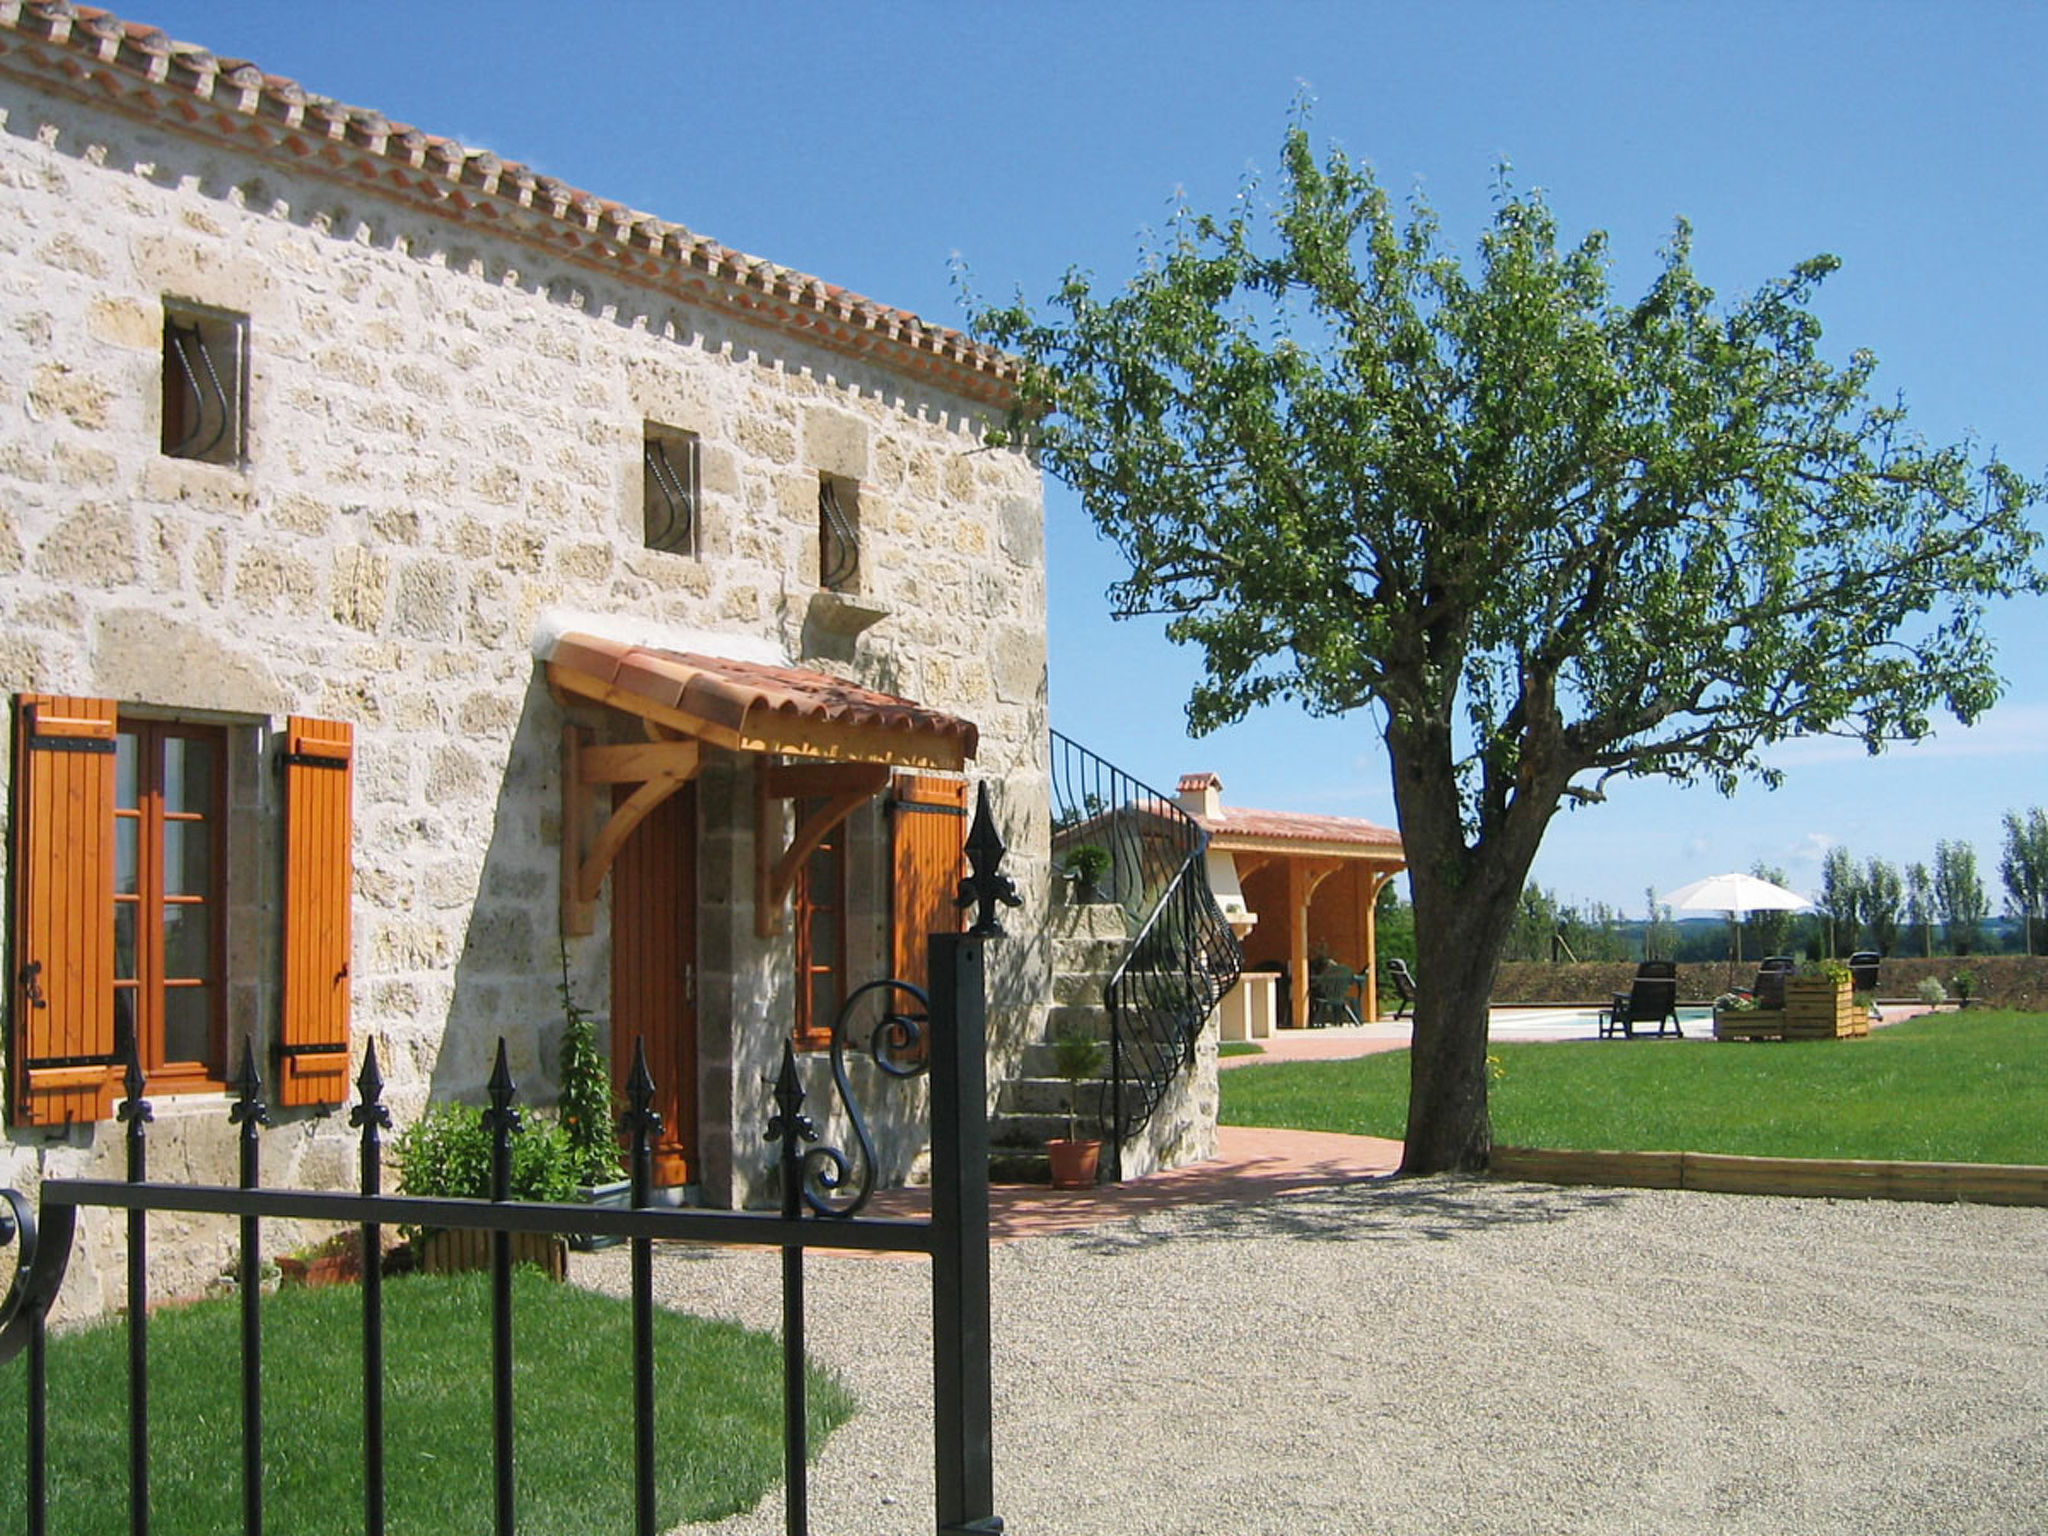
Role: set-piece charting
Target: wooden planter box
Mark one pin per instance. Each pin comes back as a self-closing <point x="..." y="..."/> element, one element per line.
<point x="451" y="1251"/>
<point x="1818" y="1009"/>
<point x="1750" y="1024"/>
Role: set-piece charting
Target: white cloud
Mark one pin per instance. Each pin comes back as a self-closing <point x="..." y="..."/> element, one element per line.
<point x="2011" y="731"/>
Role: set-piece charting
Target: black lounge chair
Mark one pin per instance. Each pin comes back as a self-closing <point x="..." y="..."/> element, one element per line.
<point x="1863" y="969"/>
<point x="1652" y="998"/>
<point x="1404" y="986"/>
<point x="1330" y="995"/>
<point x="1769" y="987"/>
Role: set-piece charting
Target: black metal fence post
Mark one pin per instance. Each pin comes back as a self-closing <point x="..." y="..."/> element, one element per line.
<point x="251" y="1114"/>
<point x="791" y="1127"/>
<point x="962" y="1342"/>
<point x="643" y="1123"/>
<point x="963" y="1411"/>
<point x="135" y="1113"/>
<point x="370" y="1116"/>
<point x="503" y="1119"/>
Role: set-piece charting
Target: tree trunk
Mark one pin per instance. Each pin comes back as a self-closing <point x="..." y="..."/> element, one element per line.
<point x="1466" y="900"/>
<point x="1449" y="1126"/>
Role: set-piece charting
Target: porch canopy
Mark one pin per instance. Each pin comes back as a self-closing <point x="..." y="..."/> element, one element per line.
<point x="1310" y="882"/>
<point x="685" y="698"/>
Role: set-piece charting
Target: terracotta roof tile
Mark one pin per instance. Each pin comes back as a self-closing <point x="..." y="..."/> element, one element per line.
<point x="1298" y="826"/>
<point x="143" y="73"/>
<point x="748" y="698"/>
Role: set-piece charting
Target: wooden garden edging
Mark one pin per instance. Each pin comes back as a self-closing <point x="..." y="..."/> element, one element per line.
<point x="1833" y="1178"/>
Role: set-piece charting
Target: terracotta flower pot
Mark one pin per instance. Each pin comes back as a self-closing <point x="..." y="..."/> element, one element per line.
<point x="1073" y="1162"/>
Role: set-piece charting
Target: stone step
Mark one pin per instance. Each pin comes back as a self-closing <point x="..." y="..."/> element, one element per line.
<point x="1018" y="1165"/>
<point x="1065" y="1018"/>
<point x="1094" y="919"/>
<point x="1013" y="1132"/>
<point x="1079" y="986"/>
<point x="1046" y="1095"/>
<point x="1088" y="954"/>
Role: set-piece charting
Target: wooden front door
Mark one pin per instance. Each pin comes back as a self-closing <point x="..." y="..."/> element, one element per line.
<point x="654" y="972"/>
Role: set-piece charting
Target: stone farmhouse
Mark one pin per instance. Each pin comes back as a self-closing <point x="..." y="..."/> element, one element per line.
<point x="414" y="570"/>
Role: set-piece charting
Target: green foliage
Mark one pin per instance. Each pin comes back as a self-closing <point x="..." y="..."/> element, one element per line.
<point x="1552" y="538"/>
<point x="1835" y="971"/>
<point x="586" y="1105"/>
<point x="719" y="1414"/>
<point x="1883" y="895"/>
<point x="1959" y="895"/>
<point x="1077" y="1056"/>
<point x="1086" y="864"/>
<point x="1841" y="898"/>
<point x="1920" y="904"/>
<point x="1944" y="1088"/>
<point x="2024" y="869"/>
<point x="1767" y="932"/>
<point x="447" y="1151"/>
<point x="1394" y="926"/>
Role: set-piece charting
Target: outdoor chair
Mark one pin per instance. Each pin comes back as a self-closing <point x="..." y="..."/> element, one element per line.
<point x="1769" y="988"/>
<point x="1404" y="986"/>
<point x="1652" y="998"/>
<point x="1330" y="995"/>
<point x="1863" y="969"/>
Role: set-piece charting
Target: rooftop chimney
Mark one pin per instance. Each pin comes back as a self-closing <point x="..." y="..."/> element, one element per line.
<point x="1201" y="795"/>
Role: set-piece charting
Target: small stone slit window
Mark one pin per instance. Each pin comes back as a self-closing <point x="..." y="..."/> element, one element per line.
<point x="670" y="490"/>
<point x="205" y="384"/>
<point x="838" y="535"/>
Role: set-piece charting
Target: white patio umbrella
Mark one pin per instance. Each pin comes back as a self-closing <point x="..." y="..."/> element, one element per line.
<point x="1734" y="894"/>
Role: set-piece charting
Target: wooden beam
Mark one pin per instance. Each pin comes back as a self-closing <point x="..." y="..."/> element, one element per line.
<point x="1375" y="882"/>
<point x="844" y="787"/>
<point x="798" y="736"/>
<point x="659" y="768"/>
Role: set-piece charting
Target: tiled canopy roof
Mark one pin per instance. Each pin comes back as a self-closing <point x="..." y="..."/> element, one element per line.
<point x="133" y="68"/>
<point x="1232" y="823"/>
<point x="746" y="706"/>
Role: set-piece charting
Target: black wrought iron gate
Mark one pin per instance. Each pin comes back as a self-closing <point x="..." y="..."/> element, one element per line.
<point x="823" y="1192"/>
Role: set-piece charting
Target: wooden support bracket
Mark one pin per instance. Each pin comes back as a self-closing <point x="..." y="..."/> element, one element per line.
<point x="842" y="786"/>
<point x="660" y="768"/>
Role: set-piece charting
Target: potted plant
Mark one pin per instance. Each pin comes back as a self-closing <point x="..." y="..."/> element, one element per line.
<point x="1819" y="1003"/>
<point x="1965" y="984"/>
<point x="1085" y="865"/>
<point x="447" y="1153"/>
<point x="334" y="1260"/>
<point x="1076" y="1057"/>
<point x="587" y="1111"/>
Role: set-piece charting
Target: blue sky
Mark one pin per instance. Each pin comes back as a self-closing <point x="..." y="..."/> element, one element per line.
<point x="873" y="144"/>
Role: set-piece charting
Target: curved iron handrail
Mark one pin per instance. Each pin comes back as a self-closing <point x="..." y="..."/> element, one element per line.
<point x="1181" y="955"/>
<point x="1185" y="958"/>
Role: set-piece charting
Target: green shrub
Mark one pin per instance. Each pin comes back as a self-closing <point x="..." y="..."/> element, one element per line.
<point x="447" y="1152"/>
<point x="586" y="1108"/>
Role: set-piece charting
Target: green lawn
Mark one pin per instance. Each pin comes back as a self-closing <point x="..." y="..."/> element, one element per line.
<point x="719" y="1413"/>
<point x="1944" y="1088"/>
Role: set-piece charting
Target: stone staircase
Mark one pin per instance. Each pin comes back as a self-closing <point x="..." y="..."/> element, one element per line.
<point x="1031" y="1108"/>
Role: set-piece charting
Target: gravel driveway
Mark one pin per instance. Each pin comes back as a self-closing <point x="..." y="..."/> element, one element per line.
<point x="1455" y="1356"/>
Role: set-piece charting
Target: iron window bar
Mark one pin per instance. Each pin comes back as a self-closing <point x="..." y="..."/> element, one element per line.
<point x="838" y="541"/>
<point x="672" y="525"/>
<point x="182" y="343"/>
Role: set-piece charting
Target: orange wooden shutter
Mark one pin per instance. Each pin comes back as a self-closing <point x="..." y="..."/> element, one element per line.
<point x="313" y="1046"/>
<point x="63" y="853"/>
<point x="929" y="836"/>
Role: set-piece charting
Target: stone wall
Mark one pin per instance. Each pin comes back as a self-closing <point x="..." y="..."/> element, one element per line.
<point x="444" y="442"/>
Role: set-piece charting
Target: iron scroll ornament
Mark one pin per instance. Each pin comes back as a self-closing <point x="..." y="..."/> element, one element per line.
<point x="40" y="1258"/>
<point x="897" y="1047"/>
